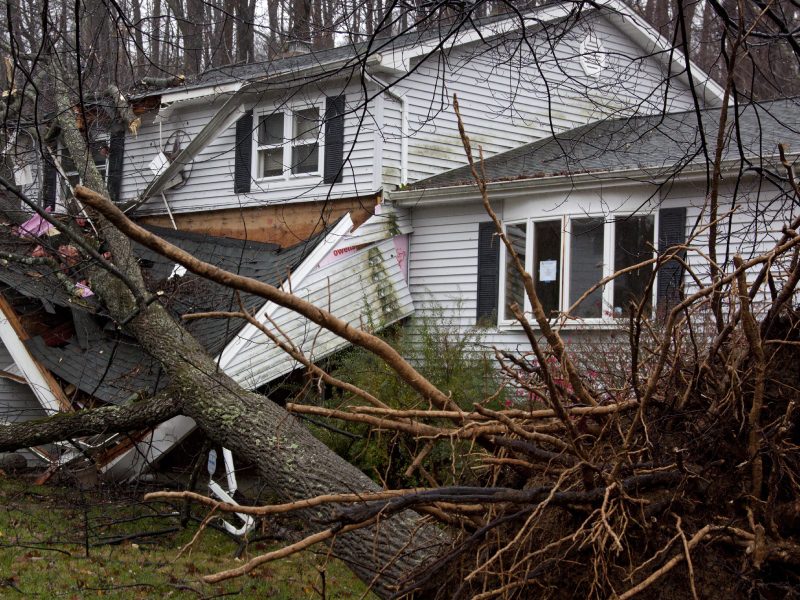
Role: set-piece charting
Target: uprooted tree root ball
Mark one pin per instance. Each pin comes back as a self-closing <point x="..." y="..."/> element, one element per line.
<point x="681" y="513"/>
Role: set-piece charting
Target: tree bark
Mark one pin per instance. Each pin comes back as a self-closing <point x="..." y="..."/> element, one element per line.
<point x="104" y="420"/>
<point x="288" y="457"/>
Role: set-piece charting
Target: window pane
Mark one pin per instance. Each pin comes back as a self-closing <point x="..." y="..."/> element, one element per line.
<point x="514" y="292"/>
<point x="586" y="266"/>
<point x="270" y="162"/>
<point x="270" y="129"/>
<point x="305" y="158"/>
<point x="547" y="264"/>
<point x="67" y="163"/>
<point x="306" y="124"/>
<point x="99" y="154"/>
<point x="633" y="243"/>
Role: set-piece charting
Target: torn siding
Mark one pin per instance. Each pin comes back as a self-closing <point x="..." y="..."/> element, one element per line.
<point x="365" y="288"/>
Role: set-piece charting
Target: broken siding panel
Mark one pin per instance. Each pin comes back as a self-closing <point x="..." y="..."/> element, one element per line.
<point x="210" y="184"/>
<point x="157" y="443"/>
<point x="365" y="289"/>
<point x="387" y="221"/>
<point x="505" y="103"/>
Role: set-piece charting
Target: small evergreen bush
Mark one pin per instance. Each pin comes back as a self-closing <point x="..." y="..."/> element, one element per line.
<point x="452" y="359"/>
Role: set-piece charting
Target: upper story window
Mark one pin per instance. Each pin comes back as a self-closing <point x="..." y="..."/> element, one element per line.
<point x="294" y="142"/>
<point x="567" y="256"/>
<point x="100" y="154"/>
<point x="288" y="143"/>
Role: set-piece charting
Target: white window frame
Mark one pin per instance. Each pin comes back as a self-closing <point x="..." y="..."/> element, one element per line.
<point x="61" y="185"/>
<point x="289" y="142"/>
<point x="606" y="318"/>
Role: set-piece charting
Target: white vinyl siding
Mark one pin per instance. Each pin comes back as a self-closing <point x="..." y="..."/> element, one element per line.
<point x="507" y="102"/>
<point x="210" y="181"/>
<point x="444" y="259"/>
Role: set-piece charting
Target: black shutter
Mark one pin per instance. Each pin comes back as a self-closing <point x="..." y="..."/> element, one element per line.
<point x="334" y="139"/>
<point x="49" y="184"/>
<point x="116" y="161"/>
<point x="243" y="153"/>
<point x="488" y="273"/>
<point x="671" y="231"/>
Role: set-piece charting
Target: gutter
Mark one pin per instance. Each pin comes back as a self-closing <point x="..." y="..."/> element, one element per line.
<point x="535" y="186"/>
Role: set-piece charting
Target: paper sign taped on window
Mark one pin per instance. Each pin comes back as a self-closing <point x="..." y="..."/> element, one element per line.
<point x="548" y="270"/>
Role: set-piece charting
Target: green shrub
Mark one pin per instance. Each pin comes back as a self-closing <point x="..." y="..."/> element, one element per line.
<point x="452" y="359"/>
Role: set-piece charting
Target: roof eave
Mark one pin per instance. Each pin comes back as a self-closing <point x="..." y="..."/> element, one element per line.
<point x="526" y="187"/>
<point x="214" y="89"/>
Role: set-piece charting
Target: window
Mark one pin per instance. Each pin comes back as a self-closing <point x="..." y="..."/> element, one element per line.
<point x="587" y="251"/>
<point x="633" y="243"/>
<point x="514" y="290"/>
<point x="569" y="255"/>
<point x="288" y="143"/>
<point x="100" y="153"/>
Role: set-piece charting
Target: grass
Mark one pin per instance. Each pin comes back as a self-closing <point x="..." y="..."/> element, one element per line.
<point x="45" y="532"/>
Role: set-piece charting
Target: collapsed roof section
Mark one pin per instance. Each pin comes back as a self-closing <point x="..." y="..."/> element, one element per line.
<point x="90" y="353"/>
<point x="358" y="274"/>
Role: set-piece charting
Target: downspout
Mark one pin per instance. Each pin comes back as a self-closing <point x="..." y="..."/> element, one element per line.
<point x="403" y="125"/>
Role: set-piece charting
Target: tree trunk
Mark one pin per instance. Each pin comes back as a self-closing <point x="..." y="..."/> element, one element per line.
<point x="245" y="32"/>
<point x="294" y="463"/>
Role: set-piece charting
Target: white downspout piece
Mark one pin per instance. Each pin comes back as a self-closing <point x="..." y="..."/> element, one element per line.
<point x="403" y="126"/>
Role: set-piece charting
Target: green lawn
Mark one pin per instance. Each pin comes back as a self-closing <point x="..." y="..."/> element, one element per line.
<point x="43" y="552"/>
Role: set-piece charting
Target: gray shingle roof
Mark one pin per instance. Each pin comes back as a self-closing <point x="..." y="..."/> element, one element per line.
<point x="182" y="295"/>
<point x="357" y="52"/>
<point x="38" y="282"/>
<point x="659" y="144"/>
<point x="111" y="366"/>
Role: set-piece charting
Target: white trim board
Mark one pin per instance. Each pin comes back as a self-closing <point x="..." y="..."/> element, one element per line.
<point x="294" y="281"/>
<point x="31" y="370"/>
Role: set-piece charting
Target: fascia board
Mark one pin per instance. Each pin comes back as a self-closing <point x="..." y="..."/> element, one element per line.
<point x="285" y="76"/>
<point x="562" y="183"/>
<point x="294" y="281"/>
<point x="198" y="93"/>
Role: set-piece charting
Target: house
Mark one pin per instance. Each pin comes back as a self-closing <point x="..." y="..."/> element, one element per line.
<point x="56" y="338"/>
<point x="585" y="203"/>
<point x="311" y="146"/>
<point x="262" y="150"/>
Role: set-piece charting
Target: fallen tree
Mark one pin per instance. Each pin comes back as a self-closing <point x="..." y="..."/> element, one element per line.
<point x="293" y="461"/>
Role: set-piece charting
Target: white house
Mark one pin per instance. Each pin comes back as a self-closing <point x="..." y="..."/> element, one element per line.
<point x="583" y="204"/>
<point x="314" y="145"/>
<point x="344" y="125"/>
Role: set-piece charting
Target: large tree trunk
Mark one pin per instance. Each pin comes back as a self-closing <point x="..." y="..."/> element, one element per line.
<point x="287" y="456"/>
